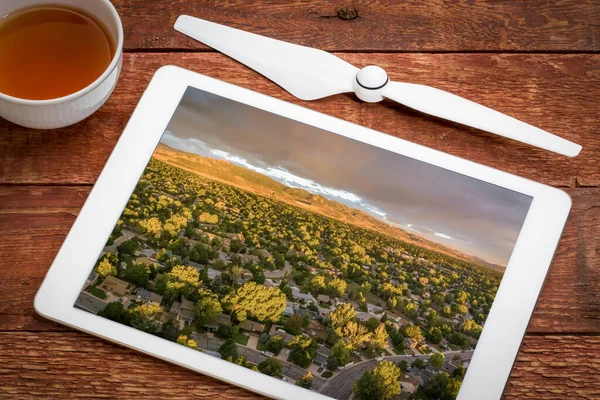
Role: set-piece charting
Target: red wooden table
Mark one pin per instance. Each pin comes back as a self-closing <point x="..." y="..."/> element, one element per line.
<point x="537" y="60"/>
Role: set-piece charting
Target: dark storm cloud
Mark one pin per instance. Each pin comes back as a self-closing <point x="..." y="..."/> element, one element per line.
<point x="472" y="216"/>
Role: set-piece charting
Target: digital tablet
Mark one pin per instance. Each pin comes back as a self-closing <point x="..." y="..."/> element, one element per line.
<point x="301" y="256"/>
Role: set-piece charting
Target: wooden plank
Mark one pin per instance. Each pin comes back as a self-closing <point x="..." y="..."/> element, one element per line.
<point x="556" y="367"/>
<point x="35" y="220"/>
<point x="59" y="364"/>
<point x="534" y="25"/>
<point x="556" y="92"/>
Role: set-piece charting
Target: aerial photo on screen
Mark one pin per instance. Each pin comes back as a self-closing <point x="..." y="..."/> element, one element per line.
<point x="297" y="253"/>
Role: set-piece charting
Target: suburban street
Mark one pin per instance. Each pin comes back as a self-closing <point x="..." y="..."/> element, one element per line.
<point x="341" y="386"/>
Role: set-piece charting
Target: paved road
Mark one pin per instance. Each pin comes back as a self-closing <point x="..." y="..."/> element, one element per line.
<point x="280" y="273"/>
<point x="125" y="237"/>
<point x="341" y="386"/>
<point x="288" y="369"/>
<point x="256" y="357"/>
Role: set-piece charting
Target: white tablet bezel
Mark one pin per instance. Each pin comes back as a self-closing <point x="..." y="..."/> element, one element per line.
<point x="507" y="321"/>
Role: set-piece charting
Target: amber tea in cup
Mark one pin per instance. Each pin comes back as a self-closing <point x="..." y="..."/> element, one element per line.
<point x="48" y="52"/>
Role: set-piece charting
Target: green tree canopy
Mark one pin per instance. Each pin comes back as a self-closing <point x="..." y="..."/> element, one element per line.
<point x="105" y="268"/>
<point x="381" y="383"/>
<point x="437" y="360"/>
<point x="138" y="274"/>
<point x="305" y="381"/>
<point x="145" y="317"/>
<point x="271" y="366"/>
<point x="115" y="312"/>
<point x="343" y="314"/>
<point x="181" y="281"/>
<point x="303" y="350"/>
<point x="355" y="335"/>
<point x="256" y="301"/>
<point x="207" y="309"/>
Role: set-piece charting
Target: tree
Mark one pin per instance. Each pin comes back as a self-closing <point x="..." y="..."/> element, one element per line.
<point x="343" y="314"/>
<point x="418" y="363"/>
<point x="186" y="341"/>
<point x="271" y="366"/>
<point x="127" y="247"/>
<point x="378" y="339"/>
<point x="371" y="324"/>
<point x="303" y="350"/>
<point x="472" y="329"/>
<point x="144" y="317"/>
<point x="152" y="227"/>
<point x="317" y="284"/>
<point x="256" y="301"/>
<point x="340" y="352"/>
<point x="105" y="268"/>
<point x="403" y="365"/>
<point x="305" y="381"/>
<point x="170" y="330"/>
<point x="225" y="331"/>
<point x="336" y="287"/>
<point x="382" y="383"/>
<point x="275" y="344"/>
<point x="181" y="281"/>
<point x="207" y="308"/>
<point x="441" y="386"/>
<point x="115" y="312"/>
<point x="355" y="335"/>
<point x="138" y="274"/>
<point x="413" y="331"/>
<point x="436" y="360"/>
<point x="397" y="339"/>
<point x="228" y="350"/>
<point x="293" y="325"/>
<point x="435" y="335"/>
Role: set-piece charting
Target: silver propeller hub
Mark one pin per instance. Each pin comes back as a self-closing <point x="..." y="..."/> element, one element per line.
<point x="370" y="82"/>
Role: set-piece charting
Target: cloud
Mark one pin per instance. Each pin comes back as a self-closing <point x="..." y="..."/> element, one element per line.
<point x="278" y="174"/>
<point x="443" y="235"/>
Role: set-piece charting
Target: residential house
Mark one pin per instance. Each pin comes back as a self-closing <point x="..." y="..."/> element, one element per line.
<point x="373" y="308"/>
<point x="320" y="360"/>
<point x="149" y="297"/>
<point x="297" y="295"/>
<point x="323" y="298"/>
<point x="142" y="259"/>
<point x="324" y="350"/>
<point x="115" y="285"/>
<point x="221" y="320"/>
<point x="183" y="311"/>
<point x="213" y="273"/>
<point x="252" y="326"/>
<point x="196" y="266"/>
<point x="147" y="253"/>
<point x="109" y="249"/>
<point x="363" y="316"/>
<point x="289" y="310"/>
<point x="409" y="385"/>
<point x="249" y="258"/>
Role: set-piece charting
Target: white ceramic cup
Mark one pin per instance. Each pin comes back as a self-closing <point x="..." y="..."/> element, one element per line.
<point x="67" y="110"/>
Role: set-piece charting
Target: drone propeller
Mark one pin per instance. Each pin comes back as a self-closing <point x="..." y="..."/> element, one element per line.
<point x="311" y="74"/>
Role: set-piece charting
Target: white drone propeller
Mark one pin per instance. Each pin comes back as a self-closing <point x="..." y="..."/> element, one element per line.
<point x="311" y="74"/>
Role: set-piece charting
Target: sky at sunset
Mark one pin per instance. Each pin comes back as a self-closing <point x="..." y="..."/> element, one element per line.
<point x="471" y="216"/>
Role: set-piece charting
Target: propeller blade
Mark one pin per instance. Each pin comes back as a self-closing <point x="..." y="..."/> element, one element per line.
<point x="306" y="73"/>
<point x="448" y="106"/>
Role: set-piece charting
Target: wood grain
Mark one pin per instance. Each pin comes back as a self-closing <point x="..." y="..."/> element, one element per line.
<point x="75" y="365"/>
<point x="555" y="92"/>
<point x="35" y="220"/>
<point x="414" y="25"/>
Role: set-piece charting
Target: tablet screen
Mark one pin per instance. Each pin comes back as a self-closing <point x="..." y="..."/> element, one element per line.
<point x="306" y="255"/>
